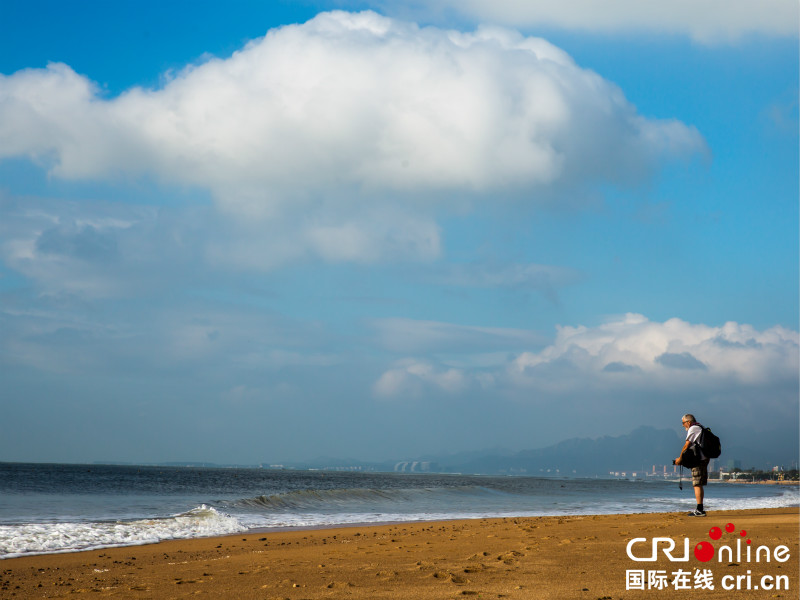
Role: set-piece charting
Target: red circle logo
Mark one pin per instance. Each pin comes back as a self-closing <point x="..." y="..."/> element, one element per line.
<point x="704" y="551"/>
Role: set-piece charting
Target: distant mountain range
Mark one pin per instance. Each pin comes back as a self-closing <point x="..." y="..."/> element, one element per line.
<point x="638" y="451"/>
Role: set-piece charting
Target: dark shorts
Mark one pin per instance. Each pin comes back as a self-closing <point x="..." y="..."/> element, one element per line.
<point x="700" y="474"/>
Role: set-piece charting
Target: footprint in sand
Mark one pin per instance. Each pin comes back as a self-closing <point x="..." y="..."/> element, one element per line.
<point x="510" y="557"/>
<point x="475" y="569"/>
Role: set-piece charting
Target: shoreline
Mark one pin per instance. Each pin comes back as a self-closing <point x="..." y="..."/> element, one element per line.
<point x="267" y="529"/>
<point x="369" y="524"/>
<point x="514" y="557"/>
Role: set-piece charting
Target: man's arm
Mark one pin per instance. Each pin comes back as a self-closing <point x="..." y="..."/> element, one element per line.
<point x="684" y="449"/>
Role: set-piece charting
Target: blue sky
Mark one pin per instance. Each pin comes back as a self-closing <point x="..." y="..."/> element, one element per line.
<point x="250" y="231"/>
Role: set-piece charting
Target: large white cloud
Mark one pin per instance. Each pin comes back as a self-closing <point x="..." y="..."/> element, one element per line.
<point x="629" y="353"/>
<point x="707" y="21"/>
<point x="634" y="350"/>
<point x="349" y="115"/>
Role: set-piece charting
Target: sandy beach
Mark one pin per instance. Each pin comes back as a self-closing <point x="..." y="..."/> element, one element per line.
<point x="542" y="557"/>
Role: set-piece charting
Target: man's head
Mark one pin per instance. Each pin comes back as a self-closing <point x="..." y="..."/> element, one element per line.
<point x="687" y="420"/>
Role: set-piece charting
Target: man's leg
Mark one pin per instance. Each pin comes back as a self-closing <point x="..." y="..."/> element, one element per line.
<point x="698" y="494"/>
<point x="699" y="479"/>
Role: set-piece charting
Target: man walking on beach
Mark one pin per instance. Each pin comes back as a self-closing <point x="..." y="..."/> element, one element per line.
<point x="700" y="472"/>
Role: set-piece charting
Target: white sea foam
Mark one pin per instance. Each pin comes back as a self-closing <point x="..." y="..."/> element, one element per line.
<point x="45" y="538"/>
<point x="790" y="497"/>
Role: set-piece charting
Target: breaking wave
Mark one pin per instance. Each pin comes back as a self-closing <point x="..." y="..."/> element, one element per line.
<point x="46" y="538"/>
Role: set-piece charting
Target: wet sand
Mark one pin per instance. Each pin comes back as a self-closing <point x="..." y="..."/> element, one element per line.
<point x="517" y="558"/>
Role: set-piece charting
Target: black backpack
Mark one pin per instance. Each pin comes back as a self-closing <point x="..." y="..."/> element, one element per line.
<point x="709" y="443"/>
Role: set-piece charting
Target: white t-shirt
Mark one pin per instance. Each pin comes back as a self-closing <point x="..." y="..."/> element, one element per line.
<point x="693" y="435"/>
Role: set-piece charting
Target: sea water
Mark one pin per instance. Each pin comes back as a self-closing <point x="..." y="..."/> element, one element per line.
<point x="48" y="508"/>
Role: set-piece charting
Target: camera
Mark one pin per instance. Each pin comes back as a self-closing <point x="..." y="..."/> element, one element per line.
<point x="673" y="461"/>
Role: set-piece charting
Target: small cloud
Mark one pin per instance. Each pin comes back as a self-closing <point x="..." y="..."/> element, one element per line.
<point x="412" y="378"/>
<point x="85" y="243"/>
<point x="93" y="249"/>
<point x="782" y="114"/>
<point x="684" y="360"/>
